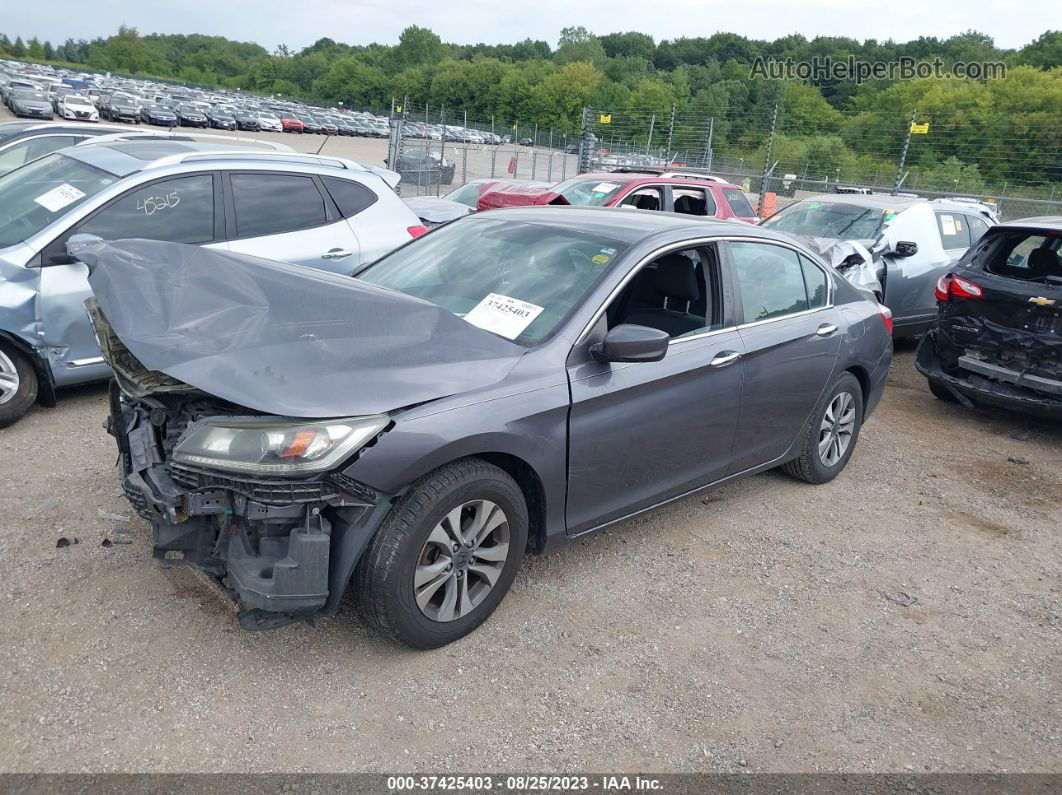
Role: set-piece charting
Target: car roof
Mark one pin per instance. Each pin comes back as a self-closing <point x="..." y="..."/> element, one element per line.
<point x="876" y="200"/>
<point x="627" y="177"/>
<point x="1051" y="223"/>
<point x="624" y="225"/>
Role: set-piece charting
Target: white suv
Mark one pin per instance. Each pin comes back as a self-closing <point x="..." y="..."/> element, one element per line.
<point x="310" y="210"/>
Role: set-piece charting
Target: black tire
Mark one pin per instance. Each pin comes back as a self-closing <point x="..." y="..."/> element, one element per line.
<point x="384" y="578"/>
<point x="12" y="409"/>
<point x="809" y="465"/>
<point x="936" y="386"/>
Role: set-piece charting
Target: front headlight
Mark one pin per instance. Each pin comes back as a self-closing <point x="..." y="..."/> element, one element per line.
<point x="275" y="447"/>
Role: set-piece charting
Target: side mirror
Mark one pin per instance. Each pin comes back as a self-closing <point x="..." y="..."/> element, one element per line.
<point x="60" y="259"/>
<point x="630" y="343"/>
<point x="905" y="248"/>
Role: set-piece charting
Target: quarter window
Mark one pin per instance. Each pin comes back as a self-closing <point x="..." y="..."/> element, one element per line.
<point x="350" y="197"/>
<point x="174" y="210"/>
<point x="815" y="283"/>
<point x="270" y="204"/>
<point x="977" y="228"/>
<point x="739" y="205"/>
<point x="770" y="280"/>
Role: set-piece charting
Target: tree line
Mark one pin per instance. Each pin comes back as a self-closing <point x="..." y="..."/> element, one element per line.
<point x="982" y="132"/>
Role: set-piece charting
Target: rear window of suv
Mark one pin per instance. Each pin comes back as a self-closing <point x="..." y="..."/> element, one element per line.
<point x="1026" y="256"/>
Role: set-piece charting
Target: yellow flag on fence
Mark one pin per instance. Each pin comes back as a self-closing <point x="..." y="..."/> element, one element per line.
<point x="919" y="129"/>
<point x="398" y="108"/>
<point x="606" y="118"/>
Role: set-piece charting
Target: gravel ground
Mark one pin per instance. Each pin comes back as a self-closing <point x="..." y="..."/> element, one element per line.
<point x="903" y="617"/>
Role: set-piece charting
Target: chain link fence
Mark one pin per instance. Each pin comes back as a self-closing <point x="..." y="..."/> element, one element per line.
<point x="778" y="158"/>
<point x="436" y="150"/>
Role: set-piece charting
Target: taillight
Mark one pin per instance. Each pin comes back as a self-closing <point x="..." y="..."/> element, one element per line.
<point x="950" y="285"/>
<point x="943" y="290"/>
<point x="417" y="231"/>
<point x="886" y="317"/>
<point x="964" y="288"/>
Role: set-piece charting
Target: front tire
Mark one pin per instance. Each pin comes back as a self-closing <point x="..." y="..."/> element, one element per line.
<point x="445" y="556"/>
<point x="831" y="433"/>
<point x="18" y="385"/>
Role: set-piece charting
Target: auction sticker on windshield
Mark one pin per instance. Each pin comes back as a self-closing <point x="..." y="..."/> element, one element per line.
<point x="507" y="317"/>
<point x="57" y="198"/>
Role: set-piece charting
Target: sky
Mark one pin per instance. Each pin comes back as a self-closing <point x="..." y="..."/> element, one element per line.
<point x="1012" y="23"/>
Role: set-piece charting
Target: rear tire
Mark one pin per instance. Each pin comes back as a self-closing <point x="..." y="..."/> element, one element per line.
<point x="18" y="385"/>
<point x="936" y="386"/>
<point x="415" y="549"/>
<point x="831" y="433"/>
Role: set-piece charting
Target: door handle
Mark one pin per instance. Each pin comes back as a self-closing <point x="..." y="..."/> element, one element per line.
<point x="725" y="358"/>
<point x="337" y="253"/>
<point x="826" y="329"/>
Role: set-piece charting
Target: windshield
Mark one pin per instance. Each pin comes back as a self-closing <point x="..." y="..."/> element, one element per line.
<point x="588" y="192"/>
<point x="33" y="196"/>
<point x="835" y="220"/>
<point x="517" y="280"/>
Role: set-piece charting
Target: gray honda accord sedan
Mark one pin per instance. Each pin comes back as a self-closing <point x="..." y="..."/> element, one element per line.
<point x="503" y="385"/>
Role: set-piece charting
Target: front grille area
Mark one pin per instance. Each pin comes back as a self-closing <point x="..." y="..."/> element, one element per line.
<point x="269" y="492"/>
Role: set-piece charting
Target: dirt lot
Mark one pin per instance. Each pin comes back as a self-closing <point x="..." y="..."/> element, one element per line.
<point x="903" y="617"/>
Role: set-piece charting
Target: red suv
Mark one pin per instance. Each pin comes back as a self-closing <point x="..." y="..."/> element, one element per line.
<point x="288" y="123"/>
<point x="670" y="191"/>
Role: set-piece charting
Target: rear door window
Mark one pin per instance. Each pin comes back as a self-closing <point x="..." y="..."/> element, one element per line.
<point x="270" y="204"/>
<point x="739" y="205"/>
<point x="693" y="201"/>
<point x="953" y="230"/>
<point x="770" y="281"/>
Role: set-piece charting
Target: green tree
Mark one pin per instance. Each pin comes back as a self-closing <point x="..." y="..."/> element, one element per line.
<point x="417" y="46"/>
<point x="34" y="48"/>
<point x="579" y="44"/>
<point x="18" y="49"/>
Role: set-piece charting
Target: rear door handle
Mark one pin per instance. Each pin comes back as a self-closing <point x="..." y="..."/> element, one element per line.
<point x="337" y="253"/>
<point x="725" y="358"/>
<point x="826" y="329"/>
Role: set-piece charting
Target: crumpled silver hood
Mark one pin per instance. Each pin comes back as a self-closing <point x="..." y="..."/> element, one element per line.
<point x="284" y="339"/>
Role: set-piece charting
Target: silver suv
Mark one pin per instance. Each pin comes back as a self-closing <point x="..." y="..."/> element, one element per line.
<point x="321" y="212"/>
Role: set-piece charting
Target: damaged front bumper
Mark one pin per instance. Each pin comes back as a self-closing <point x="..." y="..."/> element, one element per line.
<point x="975" y="381"/>
<point x="285" y="549"/>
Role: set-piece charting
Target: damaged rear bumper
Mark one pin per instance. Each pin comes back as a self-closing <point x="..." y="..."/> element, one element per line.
<point x="984" y="383"/>
<point x="284" y="549"/>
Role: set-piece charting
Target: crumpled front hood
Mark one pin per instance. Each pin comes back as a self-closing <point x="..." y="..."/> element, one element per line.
<point x="284" y="339"/>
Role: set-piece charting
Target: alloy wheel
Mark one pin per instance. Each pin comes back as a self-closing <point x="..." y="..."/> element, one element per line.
<point x="835" y="432"/>
<point x="9" y="381"/>
<point x="461" y="560"/>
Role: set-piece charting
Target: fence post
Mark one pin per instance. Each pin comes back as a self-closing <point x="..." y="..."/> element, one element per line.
<point x="767" y="162"/>
<point x="903" y="154"/>
<point x="670" y="132"/>
<point x="649" y="142"/>
<point x="584" y="143"/>
<point x="534" y="151"/>
<point x="493" y="146"/>
<point x="442" y="149"/>
<point x="707" y="160"/>
<point x="464" y="165"/>
<point x="564" y="160"/>
<point x="549" y="163"/>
